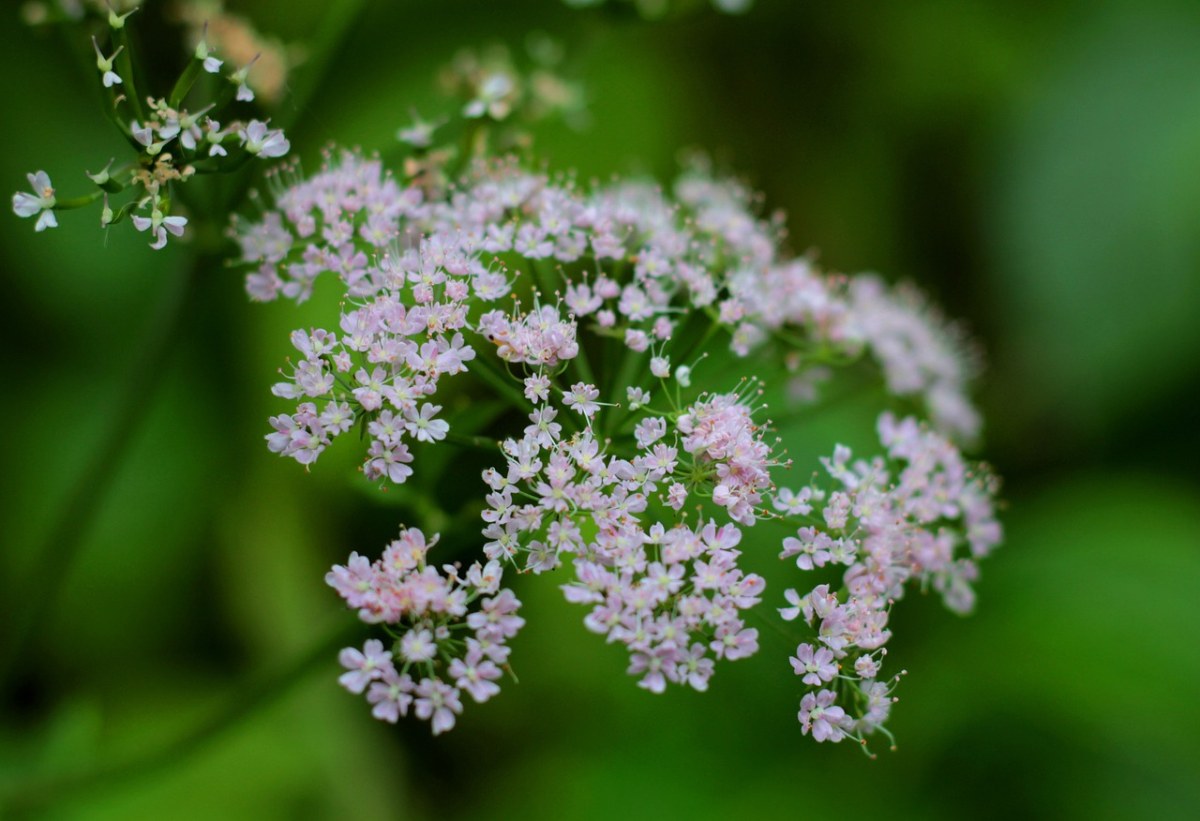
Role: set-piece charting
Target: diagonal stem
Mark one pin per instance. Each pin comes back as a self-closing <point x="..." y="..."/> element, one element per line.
<point x="245" y="701"/>
<point x="52" y="562"/>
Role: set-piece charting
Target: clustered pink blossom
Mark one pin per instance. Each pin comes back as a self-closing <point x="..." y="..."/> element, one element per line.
<point x="704" y="251"/>
<point x="719" y="431"/>
<point x="919" y="515"/>
<point x="921" y="355"/>
<point x="638" y="485"/>
<point x="382" y="367"/>
<point x="540" y="337"/>
<point x="449" y="631"/>
<point x="672" y="594"/>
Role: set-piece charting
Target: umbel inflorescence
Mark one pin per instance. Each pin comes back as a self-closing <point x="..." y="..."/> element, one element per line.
<point x="630" y="332"/>
<point x="173" y="138"/>
<point x="634" y="477"/>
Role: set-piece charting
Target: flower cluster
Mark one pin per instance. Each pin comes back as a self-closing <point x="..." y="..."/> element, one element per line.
<point x="171" y="143"/>
<point x="721" y="434"/>
<point x="645" y="506"/>
<point x="387" y="360"/>
<point x="451" y="631"/>
<point x="673" y="597"/>
<point x="494" y="87"/>
<point x="670" y="593"/>
<point x="705" y="253"/>
<point x="921" y="355"/>
<point x="237" y="38"/>
<point x="588" y="310"/>
<point x="540" y="337"/>
<point x="921" y="516"/>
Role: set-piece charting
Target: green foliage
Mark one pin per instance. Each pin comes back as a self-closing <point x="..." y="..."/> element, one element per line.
<point x="1037" y="165"/>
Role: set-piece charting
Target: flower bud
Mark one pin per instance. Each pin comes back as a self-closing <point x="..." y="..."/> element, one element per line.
<point x="117" y="21"/>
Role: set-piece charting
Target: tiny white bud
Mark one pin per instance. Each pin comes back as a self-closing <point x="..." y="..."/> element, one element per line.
<point x="101" y="176"/>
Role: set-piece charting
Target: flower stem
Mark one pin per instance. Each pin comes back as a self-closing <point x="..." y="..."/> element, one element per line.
<point x="489" y="373"/>
<point x="52" y="562"/>
<point x="630" y="369"/>
<point x="77" y="202"/>
<point x="125" y="69"/>
<point x="478" y="442"/>
<point x="185" y="82"/>
<point x="254" y="694"/>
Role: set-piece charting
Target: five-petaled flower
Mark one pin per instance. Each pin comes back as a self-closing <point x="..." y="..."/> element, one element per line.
<point x="264" y="142"/>
<point x="40" y="202"/>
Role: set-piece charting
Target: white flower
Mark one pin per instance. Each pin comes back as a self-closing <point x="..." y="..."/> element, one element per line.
<point x="491" y="99"/>
<point x="419" y="134"/>
<point x="40" y="202"/>
<point x="238" y="78"/>
<point x="262" y="141"/>
<point x="159" y="225"/>
<point x="106" y="65"/>
<point x="211" y="64"/>
<point x="214" y="135"/>
<point x="144" y="134"/>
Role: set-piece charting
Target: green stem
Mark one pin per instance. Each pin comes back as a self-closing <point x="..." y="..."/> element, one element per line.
<point x="253" y="695"/>
<point x="489" y="373"/>
<point x="185" y="82"/>
<point x="77" y="202"/>
<point x="125" y="66"/>
<point x="698" y="346"/>
<point x="52" y="562"/>
<point x="582" y="366"/>
<point x="632" y="363"/>
<point x="474" y="131"/>
<point x="479" y="442"/>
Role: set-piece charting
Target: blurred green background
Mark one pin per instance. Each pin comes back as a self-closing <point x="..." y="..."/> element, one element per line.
<point x="1034" y="165"/>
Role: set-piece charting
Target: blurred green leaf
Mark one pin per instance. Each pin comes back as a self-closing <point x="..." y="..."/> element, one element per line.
<point x="1094" y="230"/>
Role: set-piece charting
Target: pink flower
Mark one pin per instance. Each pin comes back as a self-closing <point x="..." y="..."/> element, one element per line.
<point x="733" y="642"/>
<point x="391" y="462"/>
<point x="816" y="667"/>
<point x="418" y="645"/>
<point x="475" y="674"/>
<point x="365" y="666"/>
<point x="818" y="716"/>
<point x="391" y="695"/>
<point x="438" y="701"/>
<point x="422" y="426"/>
<point x="582" y="398"/>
